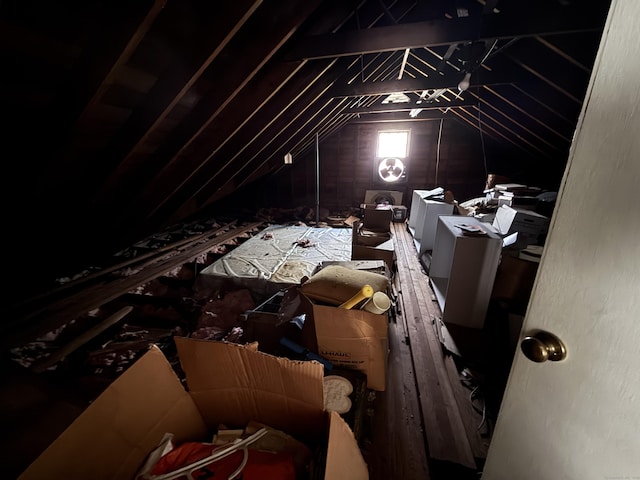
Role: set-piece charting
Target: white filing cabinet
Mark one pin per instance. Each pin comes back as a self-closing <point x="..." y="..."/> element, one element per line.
<point x="423" y="219"/>
<point x="463" y="269"/>
<point x="417" y="209"/>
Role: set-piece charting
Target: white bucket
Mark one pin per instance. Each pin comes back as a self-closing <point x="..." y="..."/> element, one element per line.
<point x="378" y="303"/>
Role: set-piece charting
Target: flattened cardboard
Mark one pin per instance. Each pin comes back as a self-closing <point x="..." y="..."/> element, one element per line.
<point x="370" y="239"/>
<point x="113" y="436"/>
<point x="374" y="196"/>
<point x="231" y="384"/>
<point x="353" y="339"/>
<point x="383" y="251"/>
<point x="344" y="460"/>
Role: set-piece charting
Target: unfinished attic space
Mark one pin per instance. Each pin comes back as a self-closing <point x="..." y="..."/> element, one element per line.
<point x="266" y="239"/>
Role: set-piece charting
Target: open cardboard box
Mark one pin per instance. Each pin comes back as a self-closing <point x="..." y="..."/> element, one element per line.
<point x="377" y="219"/>
<point x="372" y="245"/>
<point x="228" y="384"/>
<point x="351" y="338"/>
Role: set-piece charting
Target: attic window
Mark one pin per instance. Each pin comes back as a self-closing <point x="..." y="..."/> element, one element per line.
<point x="393" y="148"/>
<point x="393" y="144"/>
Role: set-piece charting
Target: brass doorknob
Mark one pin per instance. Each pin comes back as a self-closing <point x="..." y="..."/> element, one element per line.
<point x="543" y="346"/>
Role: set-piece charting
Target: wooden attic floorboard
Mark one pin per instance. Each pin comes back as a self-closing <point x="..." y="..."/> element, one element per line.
<point x="425" y="426"/>
<point x="59" y="311"/>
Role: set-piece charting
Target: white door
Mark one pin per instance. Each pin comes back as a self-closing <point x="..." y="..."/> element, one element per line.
<point x="579" y="419"/>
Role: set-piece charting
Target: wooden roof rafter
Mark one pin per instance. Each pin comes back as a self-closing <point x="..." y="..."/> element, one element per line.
<point x="442" y="32"/>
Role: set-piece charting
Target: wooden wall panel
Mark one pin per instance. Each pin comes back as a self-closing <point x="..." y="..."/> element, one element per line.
<point x="347" y="164"/>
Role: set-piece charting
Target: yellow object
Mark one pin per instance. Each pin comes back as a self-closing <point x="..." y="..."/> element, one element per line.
<point x="365" y="292"/>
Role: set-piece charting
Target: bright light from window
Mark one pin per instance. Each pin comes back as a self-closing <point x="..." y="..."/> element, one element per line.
<point x="393" y="144"/>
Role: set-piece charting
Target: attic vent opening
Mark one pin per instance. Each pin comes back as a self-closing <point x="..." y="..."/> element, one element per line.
<point x="391" y="170"/>
<point x="390" y="164"/>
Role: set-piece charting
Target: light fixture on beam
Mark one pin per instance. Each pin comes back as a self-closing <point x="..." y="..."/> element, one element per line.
<point x="465" y="82"/>
<point x="288" y="159"/>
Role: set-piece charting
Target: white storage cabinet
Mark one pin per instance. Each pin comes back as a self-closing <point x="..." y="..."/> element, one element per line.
<point x="423" y="220"/>
<point x="463" y="269"/>
<point x="417" y="209"/>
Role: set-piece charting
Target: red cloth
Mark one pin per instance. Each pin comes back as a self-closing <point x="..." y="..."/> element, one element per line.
<point x="260" y="466"/>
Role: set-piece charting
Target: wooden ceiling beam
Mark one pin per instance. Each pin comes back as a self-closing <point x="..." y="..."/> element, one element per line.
<point x="446" y="32"/>
<point x="527" y="113"/>
<point x="533" y="82"/>
<point x="434" y="82"/>
<point x="111" y="35"/>
<point x="405" y="107"/>
<point x="239" y="154"/>
<point x="393" y="117"/>
<point x="467" y="118"/>
<point x="297" y="151"/>
<point x="487" y="120"/>
<point x="303" y="128"/>
<point x="519" y="128"/>
<point x="302" y="131"/>
<point x="274" y="31"/>
<point x="190" y="64"/>
<point x="289" y="135"/>
<point x="234" y="131"/>
<point x="123" y="57"/>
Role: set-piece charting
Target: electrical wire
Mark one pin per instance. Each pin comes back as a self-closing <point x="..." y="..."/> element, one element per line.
<point x="484" y="154"/>
<point x="473" y="395"/>
<point x="483" y="411"/>
<point x="489" y="52"/>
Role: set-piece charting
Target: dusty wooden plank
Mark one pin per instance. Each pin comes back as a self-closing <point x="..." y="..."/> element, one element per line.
<point x="398" y="447"/>
<point x="124" y="264"/>
<point x="427" y="300"/>
<point x="50" y="360"/>
<point x="446" y="435"/>
<point x="69" y="308"/>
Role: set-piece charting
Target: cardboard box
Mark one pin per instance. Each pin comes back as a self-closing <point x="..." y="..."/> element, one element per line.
<point x="383" y="251"/>
<point x="353" y="339"/>
<point x="514" y="281"/>
<point x="377" y="219"/>
<point x="372" y="245"/>
<point x="228" y="383"/>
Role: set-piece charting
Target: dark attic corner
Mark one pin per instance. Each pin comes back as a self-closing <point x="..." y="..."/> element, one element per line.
<point x="205" y="199"/>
